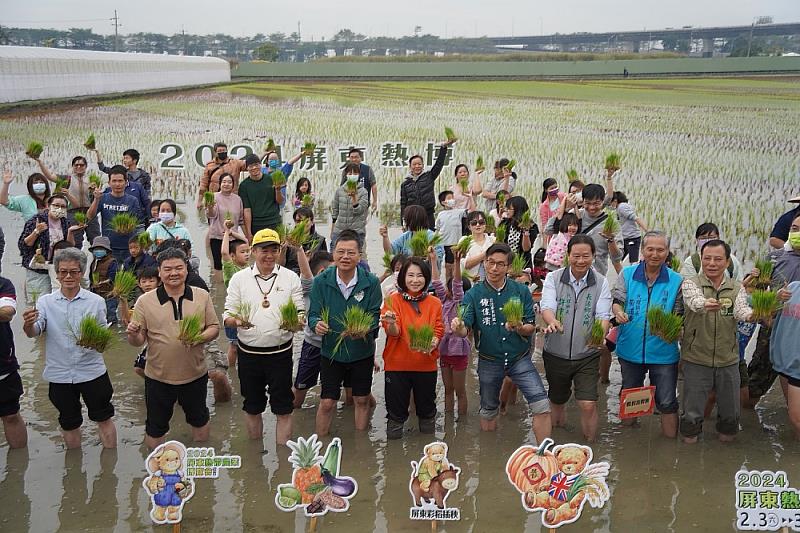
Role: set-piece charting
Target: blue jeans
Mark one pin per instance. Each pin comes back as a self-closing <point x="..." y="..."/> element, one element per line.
<point x="663" y="377"/>
<point x="522" y="373"/>
<point x="111" y="310"/>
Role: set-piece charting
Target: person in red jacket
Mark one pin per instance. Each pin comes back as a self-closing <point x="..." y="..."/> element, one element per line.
<point x="411" y="368"/>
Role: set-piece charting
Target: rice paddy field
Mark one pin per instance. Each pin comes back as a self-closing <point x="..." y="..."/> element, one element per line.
<point x="693" y="150"/>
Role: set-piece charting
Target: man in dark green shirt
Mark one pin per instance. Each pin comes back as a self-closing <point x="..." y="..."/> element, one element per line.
<point x="260" y="198"/>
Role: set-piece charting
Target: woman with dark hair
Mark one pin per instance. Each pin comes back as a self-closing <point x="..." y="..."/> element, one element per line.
<point x="167" y="226"/>
<point x="481" y="241"/>
<point x="227" y="212"/>
<point x="463" y="196"/>
<point x="415" y="218"/>
<point x="551" y="200"/>
<point x="411" y="369"/>
<point x="302" y="188"/>
<point x="27" y="204"/>
<point x="631" y="226"/>
<point x="519" y="239"/>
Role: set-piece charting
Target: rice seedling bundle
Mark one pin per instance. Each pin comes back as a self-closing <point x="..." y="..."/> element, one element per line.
<point x="513" y="311"/>
<point x="270" y="146"/>
<point x="124" y="284"/>
<point x="34" y="149"/>
<point x="500" y="233"/>
<point x="351" y="186"/>
<point x="90" y="142"/>
<point x="299" y="234"/>
<point x="565" y="262"/>
<point x="243" y="312"/>
<point x="229" y="268"/>
<point x="124" y="223"/>
<point x="420" y="338"/>
<point x="208" y="199"/>
<point x="144" y="240"/>
<point x="490" y="226"/>
<point x="290" y="319"/>
<point x="420" y="242"/>
<point x="93" y="335"/>
<point x="282" y="232"/>
<point x="463" y="245"/>
<point x="35" y="296"/>
<point x="764" y="267"/>
<point x="511" y="164"/>
<point x="325" y="315"/>
<point x="572" y="174"/>
<point x="387" y="261"/>
<point x="309" y="147"/>
<point x="448" y="132"/>
<point x="525" y="221"/>
<point x="675" y="263"/>
<point x="517" y="265"/>
<point x="190" y="329"/>
<point x="228" y="216"/>
<point x="464" y="184"/>
<point x="278" y="178"/>
<point x="386" y="215"/>
<point x="612" y="161"/>
<point x="664" y="325"/>
<point x="479" y="164"/>
<point x="596" y="334"/>
<point x="95" y="181"/>
<point x="765" y="304"/>
<point x="80" y="218"/>
<point x="460" y="311"/>
<point x="307" y="200"/>
<point x="61" y="185"/>
<point x="356" y="324"/>
<point x="611" y="224"/>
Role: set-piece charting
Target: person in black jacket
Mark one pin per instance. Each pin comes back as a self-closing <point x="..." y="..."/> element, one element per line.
<point x="418" y="187"/>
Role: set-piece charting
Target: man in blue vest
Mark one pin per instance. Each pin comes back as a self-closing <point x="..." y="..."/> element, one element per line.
<point x="639" y="288"/>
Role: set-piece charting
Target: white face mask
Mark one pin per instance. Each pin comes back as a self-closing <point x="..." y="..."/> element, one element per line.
<point x="39" y="188"/>
<point x="352" y="178"/>
<point x="450" y="202"/>
<point x="166" y="217"/>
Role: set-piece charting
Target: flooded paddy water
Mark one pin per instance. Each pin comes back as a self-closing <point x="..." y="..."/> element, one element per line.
<point x="656" y="484"/>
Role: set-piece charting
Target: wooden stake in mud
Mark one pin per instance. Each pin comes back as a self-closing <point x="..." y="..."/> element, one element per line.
<point x="313" y="525"/>
<point x="176" y="528"/>
<point x="433" y="525"/>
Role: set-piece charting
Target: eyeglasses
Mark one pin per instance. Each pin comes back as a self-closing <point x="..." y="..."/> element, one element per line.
<point x="68" y="273"/>
<point x="593" y="203"/>
<point x="345" y="253"/>
<point x="477" y="223"/>
<point x="495" y="264"/>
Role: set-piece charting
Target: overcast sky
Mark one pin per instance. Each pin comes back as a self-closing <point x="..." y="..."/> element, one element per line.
<point x="450" y="18"/>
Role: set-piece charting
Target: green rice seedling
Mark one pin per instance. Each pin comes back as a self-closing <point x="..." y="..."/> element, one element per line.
<point x="34" y="149"/>
<point x="420" y="338"/>
<point x="95" y="181"/>
<point x="307" y="200"/>
<point x="278" y="178"/>
<point x="61" y="185"/>
<point x="611" y="224"/>
<point x="311" y="245"/>
<point x="124" y="284"/>
<point x="464" y="184"/>
<point x="228" y="216"/>
<point x="612" y="161"/>
<point x="145" y="242"/>
<point x="356" y="324"/>
<point x="95" y="277"/>
<point x="525" y="221"/>
<point x="80" y="218"/>
<point x="460" y="311"/>
<point x="208" y="199"/>
<point x="501" y="200"/>
<point x="420" y="242"/>
<point x="511" y="164"/>
<point x="490" y="225"/>
<point x="596" y="334"/>
<point x="572" y="174"/>
<point x="190" y="329"/>
<point x="387" y="302"/>
<point x="90" y="142"/>
<point x="35" y="296"/>
<point x="93" y="335"/>
<point x="764" y="267"/>
<point x="124" y="223"/>
<point x="463" y="245"/>
<point x="479" y="164"/>
<point x="270" y="146"/>
<point x="282" y="232"/>
<point x="299" y="234"/>
<point x="387" y="261"/>
<point x="517" y="265"/>
<point x="765" y="304"/>
<point x="500" y="233"/>
<point x="513" y="311"/>
<point x="309" y="147"/>
<point x="229" y="268"/>
<point x="386" y="216"/>
<point x="243" y="312"/>
<point x="664" y="325"/>
<point x="290" y="319"/>
<point x="565" y="262"/>
<point x="448" y="132"/>
<point x="351" y="186"/>
<point x="560" y="314"/>
<point x="675" y="263"/>
<point x="325" y="315"/>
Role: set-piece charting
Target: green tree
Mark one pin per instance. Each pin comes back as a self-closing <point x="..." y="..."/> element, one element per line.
<point x="266" y="52"/>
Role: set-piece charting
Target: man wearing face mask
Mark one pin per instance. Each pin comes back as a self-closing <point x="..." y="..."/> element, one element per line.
<point x="366" y="177"/>
<point x="349" y="206"/>
<point x="219" y="165"/>
<point x="418" y="187"/>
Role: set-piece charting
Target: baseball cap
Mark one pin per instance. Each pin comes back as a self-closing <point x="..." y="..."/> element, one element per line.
<point x="266" y="236"/>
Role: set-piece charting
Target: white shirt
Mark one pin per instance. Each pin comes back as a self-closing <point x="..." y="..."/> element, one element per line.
<point x="348" y="287"/>
<point x="549" y="298"/>
<point x="448" y="225"/>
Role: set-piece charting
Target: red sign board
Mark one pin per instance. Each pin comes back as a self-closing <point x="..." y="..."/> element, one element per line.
<point x="637" y="401"/>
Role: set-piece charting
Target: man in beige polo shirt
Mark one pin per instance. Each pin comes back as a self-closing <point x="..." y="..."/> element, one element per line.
<point x="174" y="371"/>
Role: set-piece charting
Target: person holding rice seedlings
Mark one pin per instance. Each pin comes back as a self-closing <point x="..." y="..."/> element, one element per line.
<point x="102" y="273"/>
<point x="26" y="204"/>
<point x="412" y="319"/>
<point x="147" y="280"/>
<point x="631" y="224"/>
<point x="134" y="174"/>
<point x="10" y="381"/>
<point x="39" y="234"/>
<point x="314" y="243"/>
<point x="785" y="339"/>
<point x="139" y="258"/>
<point x="713" y="303"/>
<point x="366" y="177"/>
<point x="498" y="209"/>
<point x="345" y="309"/>
<point x="271" y="163"/>
<point x="503" y="349"/>
<point x="552" y="197"/>
<point x="472" y="260"/>
<point x="219" y="165"/>
<point x="175" y="321"/>
<point x="419" y="186"/>
<point x="465" y="191"/>
<point x="416" y="219"/>
<point x="73" y="371"/>
<point x="309" y="364"/>
<point x="448" y="225"/>
<point x="349" y="207"/>
<point x="303" y="197"/>
<point x="640" y="288"/>
<point x="235" y="257"/>
<point x="389" y="284"/>
<point x="575" y="299"/>
<point x="503" y="180"/>
<point x="568" y="226"/>
<point x="112" y="203"/>
<point x="226" y="212"/>
<point x="264" y="349"/>
<point x="261" y="199"/>
<point x="521" y="230"/>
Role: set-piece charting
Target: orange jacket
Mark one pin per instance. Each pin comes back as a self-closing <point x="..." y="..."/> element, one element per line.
<point x="398" y="355"/>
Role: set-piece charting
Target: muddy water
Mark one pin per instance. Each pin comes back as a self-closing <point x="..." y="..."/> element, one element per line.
<point x="656" y="485"/>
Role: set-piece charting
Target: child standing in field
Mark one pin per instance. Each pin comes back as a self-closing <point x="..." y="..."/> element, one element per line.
<point x="454" y="351"/>
<point x="102" y="273"/>
<point x="139" y="259"/>
<point x="147" y="280"/>
<point x="449" y="225"/>
<point x="235" y="256"/>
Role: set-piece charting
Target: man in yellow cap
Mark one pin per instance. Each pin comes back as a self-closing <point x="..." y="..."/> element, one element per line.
<point x="264" y="348"/>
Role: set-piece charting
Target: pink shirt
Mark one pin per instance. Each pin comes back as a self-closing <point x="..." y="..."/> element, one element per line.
<point x="225" y="203"/>
<point x="545" y="213"/>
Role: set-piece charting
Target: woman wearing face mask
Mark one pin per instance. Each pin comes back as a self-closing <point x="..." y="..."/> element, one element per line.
<point x="27" y="204"/>
<point x="272" y="162"/>
<point x="226" y="213"/>
<point x="691" y="265"/>
<point x="551" y="200"/>
<point x="349" y="208"/>
<point x="40" y="232"/>
<point x="167" y="227"/>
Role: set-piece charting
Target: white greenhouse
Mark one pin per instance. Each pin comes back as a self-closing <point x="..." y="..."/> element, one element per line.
<point x="32" y="73"/>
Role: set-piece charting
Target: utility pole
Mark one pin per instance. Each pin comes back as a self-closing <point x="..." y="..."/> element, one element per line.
<point x="298" y="31"/>
<point x="183" y="33"/>
<point x="750" y="40"/>
<point x="116" y="24"/>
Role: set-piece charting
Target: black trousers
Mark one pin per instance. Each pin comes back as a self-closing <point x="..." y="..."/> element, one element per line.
<point x="400" y="384"/>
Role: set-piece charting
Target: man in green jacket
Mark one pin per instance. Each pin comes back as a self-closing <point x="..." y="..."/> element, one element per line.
<point x="338" y="288"/>
<point x="710" y="354"/>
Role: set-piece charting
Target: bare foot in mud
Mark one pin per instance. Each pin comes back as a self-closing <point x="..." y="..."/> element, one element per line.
<point x="726" y="438"/>
<point x="689" y="440"/>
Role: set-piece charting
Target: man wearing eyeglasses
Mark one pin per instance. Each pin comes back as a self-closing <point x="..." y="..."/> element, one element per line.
<point x="74" y="372"/>
<point x="503" y="348"/>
